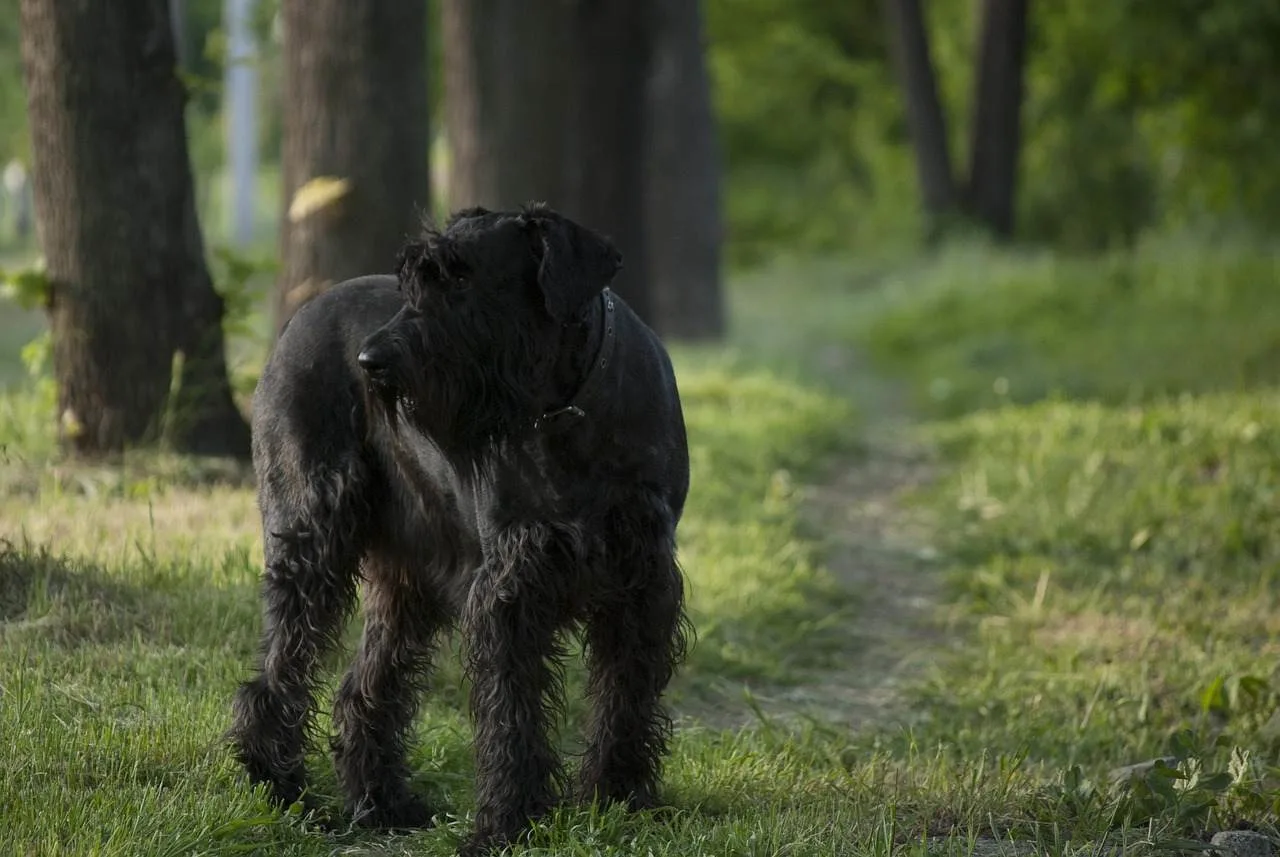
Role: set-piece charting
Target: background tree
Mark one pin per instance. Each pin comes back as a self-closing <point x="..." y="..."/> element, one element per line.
<point x="355" y="111"/>
<point x="913" y="62"/>
<point x="240" y="116"/>
<point x="547" y="102"/>
<point x="128" y="288"/>
<point x="996" y="129"/>
<point x="809" y="126"/>
<point x="506" y="75"/>
<point x="682" y="178"/>
<point x="612" y="40"/>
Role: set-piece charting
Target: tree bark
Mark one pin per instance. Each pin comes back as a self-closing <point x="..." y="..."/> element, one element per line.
<point x="997" y="137"/>
<point x="546" y="101"/>
<point x="506" y="76"/>
<point x="355" y="108"/>
<point x="606" y="180"/>
<point x="682" y="199"/>
<point x="128" y="285"/>
<point x="203" y="418"/>
<point x="909" y="46"/>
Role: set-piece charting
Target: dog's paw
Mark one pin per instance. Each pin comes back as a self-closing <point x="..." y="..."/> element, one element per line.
<point x="481" y="845"/>
<point x="407" y="813"/>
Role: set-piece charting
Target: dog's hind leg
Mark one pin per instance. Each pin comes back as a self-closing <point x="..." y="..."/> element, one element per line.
<point x="635" y="636"/>
<point x="312" y="551"/>
<point x="378" y="697"/>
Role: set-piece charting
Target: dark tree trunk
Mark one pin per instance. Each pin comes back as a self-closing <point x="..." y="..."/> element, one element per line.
<point x="355" y="108"/>
<point x="129" y="289"/>
<point x="993" y="166"/>
<point x="506" y="75"/>
<point x="612" y="41"/>
<point x="203" y="417"/>
<point x="909" y="45"/>
<point x="682" y="200"/>
<point x="546" y="101"/>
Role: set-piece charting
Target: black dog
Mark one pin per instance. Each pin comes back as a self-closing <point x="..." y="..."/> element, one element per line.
<point x="492" y="441"/>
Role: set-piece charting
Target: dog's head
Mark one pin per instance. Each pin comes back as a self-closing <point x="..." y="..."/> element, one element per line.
<point x="489" y="302"/>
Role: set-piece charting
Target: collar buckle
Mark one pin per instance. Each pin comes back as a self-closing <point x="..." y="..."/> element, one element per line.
<point x="554" y="422"/>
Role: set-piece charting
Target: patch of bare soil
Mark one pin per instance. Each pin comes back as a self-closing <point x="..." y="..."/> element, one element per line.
<point x="877" y="546"/>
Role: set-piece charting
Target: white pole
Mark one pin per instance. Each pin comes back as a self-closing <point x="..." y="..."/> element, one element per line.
<point x="240" y="110"/>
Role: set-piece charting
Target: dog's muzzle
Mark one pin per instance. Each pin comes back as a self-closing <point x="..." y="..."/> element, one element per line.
<point x="375" y="361"/>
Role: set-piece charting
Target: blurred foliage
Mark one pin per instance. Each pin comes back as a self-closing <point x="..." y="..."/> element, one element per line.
<point x="28" y="287"/>
<point x="14" y="142"/>
<point x="789" y="94"/>
<point x="1139" y="115"/>
<point x="1150" y="113"/>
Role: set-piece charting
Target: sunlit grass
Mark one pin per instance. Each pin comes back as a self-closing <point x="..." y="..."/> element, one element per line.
<point x="981" y="328"/>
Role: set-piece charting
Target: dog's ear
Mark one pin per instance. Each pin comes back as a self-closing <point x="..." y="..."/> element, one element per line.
<point x="574" y="262"/>
<point x="465" y="213"/>
<point x="415" y="266"/>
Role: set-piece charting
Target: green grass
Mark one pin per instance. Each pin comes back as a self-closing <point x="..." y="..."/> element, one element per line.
<point x="123" y="643"/>
<point x="1108" y="557"/>
<point x="1109" y="522"/>
<point x="1115" y="571"/>
<point x="980" y="328"/>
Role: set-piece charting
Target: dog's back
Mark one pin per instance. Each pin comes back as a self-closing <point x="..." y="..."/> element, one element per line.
<point x="309" y="406"/>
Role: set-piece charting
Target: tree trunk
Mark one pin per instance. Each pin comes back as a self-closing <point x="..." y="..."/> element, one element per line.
<point x="203" y="418"/>
<point x="128" y="286"/>
<point x="909" y="45"/>
<point x="240" y="114"/>
<point x="355" y="109"/>
<point x="506" y="73"/>
<point x="682" y="199"/>
<point x="612" y="41"/>
<point x="997" y="102"/>
<point x="546" y="101"/>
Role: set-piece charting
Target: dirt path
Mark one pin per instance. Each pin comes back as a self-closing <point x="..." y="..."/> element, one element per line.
<point x="877" y="547"/>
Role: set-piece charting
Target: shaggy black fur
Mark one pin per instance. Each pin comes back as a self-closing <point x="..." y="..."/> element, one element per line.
<point x="411" y="434"/>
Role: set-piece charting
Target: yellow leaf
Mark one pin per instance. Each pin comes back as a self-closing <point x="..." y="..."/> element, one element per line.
<point x="316" y="195"/>
<point x="1140" y="538"/>
<point x="71" y="425"/>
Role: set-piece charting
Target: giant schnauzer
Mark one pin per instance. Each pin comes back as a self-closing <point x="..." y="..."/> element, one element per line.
<point x="491" y="440"/>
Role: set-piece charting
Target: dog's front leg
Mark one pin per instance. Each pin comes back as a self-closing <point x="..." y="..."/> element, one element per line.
<point x="515" y="662"/>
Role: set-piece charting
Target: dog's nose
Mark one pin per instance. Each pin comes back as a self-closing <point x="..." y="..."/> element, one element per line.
<point x="372" y="360"/>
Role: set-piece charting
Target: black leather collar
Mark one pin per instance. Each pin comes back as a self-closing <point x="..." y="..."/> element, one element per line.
<point x="564" y="418"/>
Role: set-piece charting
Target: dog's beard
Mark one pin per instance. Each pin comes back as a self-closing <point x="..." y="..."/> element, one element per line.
<point x="402" y="407"/>
<point x="388" y="400"/>
<point x="407" y="407"/>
